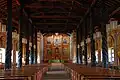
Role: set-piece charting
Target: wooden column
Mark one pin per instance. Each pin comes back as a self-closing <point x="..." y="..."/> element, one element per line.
<point x="77" y="44"/>
<point x="20" y="35"/>
<point x="27" y="45"/>
<point x="85" y="44"/>
<point x="93" y="57"/>
<point x="32" y="48"/>
<point x="9" y="36"/>
<point x="104" y="19"/>
<point x="35" y="46"/>
<point x="81" y="34"/>
<point x="104" y="46"/>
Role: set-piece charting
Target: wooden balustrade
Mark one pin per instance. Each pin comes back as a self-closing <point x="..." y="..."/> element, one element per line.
<point x="82" y="72"/>
<point x="28" y="72"/>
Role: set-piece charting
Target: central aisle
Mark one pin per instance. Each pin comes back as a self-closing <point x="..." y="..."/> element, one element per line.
<point x="56" y="72"/>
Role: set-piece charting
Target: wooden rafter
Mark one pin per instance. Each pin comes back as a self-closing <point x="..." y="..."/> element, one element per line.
<point x="56" y="17"/>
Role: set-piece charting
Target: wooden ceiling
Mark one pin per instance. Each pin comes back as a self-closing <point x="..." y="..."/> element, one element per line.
<point x="3" y="10"/>
<point x="57" y="15"/>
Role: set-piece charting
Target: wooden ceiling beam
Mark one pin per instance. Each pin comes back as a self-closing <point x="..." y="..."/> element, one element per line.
<point x="114" y="12"/>
<point x="76" y="1"/>
<point x="55" y="23"/>
<point x="88" y="11"/>
<point x="38" y="6"/>
<point x="56" y="17"/>
<point x="63" y="30"/>
<point x="55" y="28"/>
<point x="55" y="0"/>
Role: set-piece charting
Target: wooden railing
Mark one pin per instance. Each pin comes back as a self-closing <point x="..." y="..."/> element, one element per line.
<point x="28" y="72"/>
<point x="82" y="72"/>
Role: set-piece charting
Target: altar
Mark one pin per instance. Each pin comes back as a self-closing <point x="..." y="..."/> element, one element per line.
<point x="56" y="47"/>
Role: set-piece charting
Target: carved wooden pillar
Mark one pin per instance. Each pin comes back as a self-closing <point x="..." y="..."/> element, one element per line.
<point x="85" y="44"/>
<point x="81" y="34"/>
<point x="77" y="45"/>
<point x="104" y="46"/>
<point x="9" y="36"/>
<point x="20" y="35"/>
<point x="104" y="19"/>
<point x="32" y="48"/>
<point x="27" y="45"/>
<point x="36" y="46"/>
<point x="93" y="57"/>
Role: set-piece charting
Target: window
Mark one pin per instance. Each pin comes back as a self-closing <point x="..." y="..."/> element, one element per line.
<point x="2" y="55"/>
<point x="111" y="55"/>
<point x="96" y="54"/>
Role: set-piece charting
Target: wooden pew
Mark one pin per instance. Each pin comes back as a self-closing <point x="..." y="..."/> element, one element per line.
<point x="82" y="72"/>
<point x="28" y="72"/>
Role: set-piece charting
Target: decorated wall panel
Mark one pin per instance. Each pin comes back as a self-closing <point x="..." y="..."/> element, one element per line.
<point x="56" y="47"/>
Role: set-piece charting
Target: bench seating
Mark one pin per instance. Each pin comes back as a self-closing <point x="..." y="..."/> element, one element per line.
<point x="82" y="72"/>
<point x="28" y="72"/>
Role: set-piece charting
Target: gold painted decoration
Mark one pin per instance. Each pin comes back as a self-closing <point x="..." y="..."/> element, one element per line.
<point x="119" y="54"/>
<point x="0" y="26"/>
<point x="110" y="41"/>
<point x="65" y="40"/>
<point x="2" y="39"/>
<point x="49" y="40"/>
<point x="56" y="46"/>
